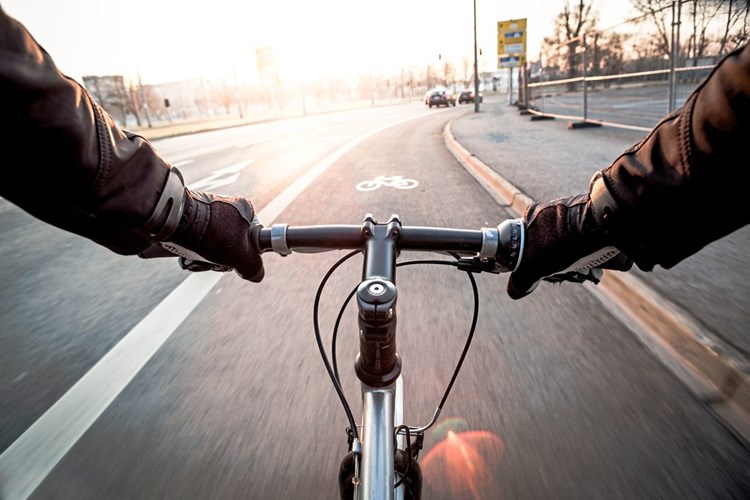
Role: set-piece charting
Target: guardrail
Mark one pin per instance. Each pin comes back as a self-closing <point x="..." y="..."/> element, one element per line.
<point x="632" y="74"/>
<point x="634" y="101"/>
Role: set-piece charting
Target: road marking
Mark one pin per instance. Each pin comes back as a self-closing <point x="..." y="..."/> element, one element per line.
<point x="31" y="457"/>
<point x="182" y="163"/>
<point x="222" y="177"/>
<point x="396" y="181"/>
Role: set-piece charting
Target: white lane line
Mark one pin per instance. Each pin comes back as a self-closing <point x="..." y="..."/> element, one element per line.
<point x="31" y="457"/>
<point x="222" y="177"/>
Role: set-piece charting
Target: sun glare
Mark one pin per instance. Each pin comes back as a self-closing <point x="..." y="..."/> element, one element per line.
<point x="170" y="40"/>
<point x="464" y="465"/>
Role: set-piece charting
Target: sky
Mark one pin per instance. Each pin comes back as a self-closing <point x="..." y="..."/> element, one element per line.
<point x="170" y="40"/>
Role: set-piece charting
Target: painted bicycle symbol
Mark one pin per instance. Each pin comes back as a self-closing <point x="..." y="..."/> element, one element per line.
<point x="396" y="181"/>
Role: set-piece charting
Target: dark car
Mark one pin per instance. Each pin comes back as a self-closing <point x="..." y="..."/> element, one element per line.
<point x="467" y="95"/>
<point x="440" y="98"/>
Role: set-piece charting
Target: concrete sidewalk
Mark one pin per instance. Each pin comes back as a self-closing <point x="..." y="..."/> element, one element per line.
<point x="695" y="316"/>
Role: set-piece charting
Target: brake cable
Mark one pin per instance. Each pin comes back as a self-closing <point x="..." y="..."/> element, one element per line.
<point x="333" y="371"/>
<point x="469" y="338"/>
<point x="352" y="425"/>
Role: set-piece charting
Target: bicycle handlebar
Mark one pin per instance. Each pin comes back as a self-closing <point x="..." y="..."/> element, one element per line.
<point x="503" y="245"/>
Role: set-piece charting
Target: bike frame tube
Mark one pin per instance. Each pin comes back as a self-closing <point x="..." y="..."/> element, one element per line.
<point x="377" y="472"/>
<point x="398" y="419"/>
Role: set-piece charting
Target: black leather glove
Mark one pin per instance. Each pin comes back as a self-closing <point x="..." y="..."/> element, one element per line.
<point x="216" y="230"/>
<point x="209" y="232"/>
<point x="565" y="241"/>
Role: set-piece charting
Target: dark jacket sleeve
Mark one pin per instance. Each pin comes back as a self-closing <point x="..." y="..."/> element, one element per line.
<point x="686" y="184"/>
<point x="72" y="167"/>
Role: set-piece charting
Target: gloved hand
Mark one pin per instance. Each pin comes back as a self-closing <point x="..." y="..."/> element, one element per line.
<point x="214" y="234"/>
<point x="560" y="236"/>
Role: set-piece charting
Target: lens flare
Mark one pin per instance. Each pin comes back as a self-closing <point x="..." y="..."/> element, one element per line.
<point x="464" y="465"/>
<point x="455" y="424"/>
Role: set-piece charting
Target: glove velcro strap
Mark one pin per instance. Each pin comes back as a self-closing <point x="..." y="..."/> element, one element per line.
<point x="168" y="211"/>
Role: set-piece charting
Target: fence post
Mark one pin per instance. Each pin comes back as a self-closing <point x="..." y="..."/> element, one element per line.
<point x="672" y="63"/>
<point x="674" y="59"/>
<point x="585" y="86"/>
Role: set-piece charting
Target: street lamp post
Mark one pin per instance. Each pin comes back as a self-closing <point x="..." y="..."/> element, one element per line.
<point x="476" y="65"/>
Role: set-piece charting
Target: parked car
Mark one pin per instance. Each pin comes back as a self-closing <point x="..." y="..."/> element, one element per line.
<point x="440" y="98"/>
<point x="467" y="95"/>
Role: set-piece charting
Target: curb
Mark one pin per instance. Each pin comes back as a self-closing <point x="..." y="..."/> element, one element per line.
<point x="711" y="370"/>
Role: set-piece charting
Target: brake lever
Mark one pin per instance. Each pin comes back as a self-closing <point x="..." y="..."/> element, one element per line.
<point x="616" y="261"/>
<point x="199" y="266"/>
<point x="592" y="275"/>
<point x="477" y="265"/>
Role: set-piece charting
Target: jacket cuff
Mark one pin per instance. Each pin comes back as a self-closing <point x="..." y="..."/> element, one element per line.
<point x="168" y="210"/>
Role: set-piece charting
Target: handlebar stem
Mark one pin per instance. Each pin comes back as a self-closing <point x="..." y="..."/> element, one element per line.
<point x="378" y="364"/>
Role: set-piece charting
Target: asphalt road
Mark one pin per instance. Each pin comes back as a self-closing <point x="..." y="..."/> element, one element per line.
<point x="556" y="399"/>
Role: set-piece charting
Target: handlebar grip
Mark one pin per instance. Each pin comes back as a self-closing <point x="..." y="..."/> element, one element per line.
<point x="511" y="240"/>
<point x="255" y="237"/>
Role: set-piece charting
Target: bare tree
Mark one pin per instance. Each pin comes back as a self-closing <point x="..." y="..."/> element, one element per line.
<point x="111" y="94"/>
<point x="153" y="100"/>
<point x="607" y="49"/>
<point x="449" y="70"/>
<point x="705" y="16"/>
<point x="736" y="25"/>
<point x="430" y="76"/>
<point x="570" y="25"/>
<point x="742" y="33"/>
<point x="702" y="14"/>
<point x="135" y="103"/>
<point x="659" y="12"/>
<point x="468" y="70"/>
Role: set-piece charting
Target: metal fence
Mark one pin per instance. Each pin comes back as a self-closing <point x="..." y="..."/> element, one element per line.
<point x="633" y="74"/>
